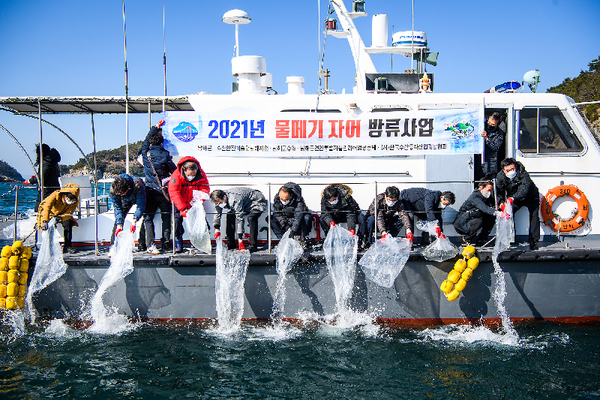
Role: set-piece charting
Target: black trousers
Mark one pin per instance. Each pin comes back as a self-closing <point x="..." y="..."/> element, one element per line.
<point x="231" y="229"/>
<point x="485" y="223"/>
<point x="68" y="232"/>
<point x="533" y="205"/>
<point x="279" y="230"/>
<point x="156" y="200"/>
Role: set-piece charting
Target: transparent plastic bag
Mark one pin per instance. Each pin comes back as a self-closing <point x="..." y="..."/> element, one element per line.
<point x="195" y="224"/>
<point x="340" y="248"/>
<point x="230" y="277"/>
<point x="505" y="230"/>
<point x="384" y="261"/>
<point x="441" y="249"/>
<point x="49" y="264"/>
<point x="288" y="252"/>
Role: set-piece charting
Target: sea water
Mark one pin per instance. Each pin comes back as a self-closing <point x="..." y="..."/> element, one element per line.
<point x="157" y="362"/>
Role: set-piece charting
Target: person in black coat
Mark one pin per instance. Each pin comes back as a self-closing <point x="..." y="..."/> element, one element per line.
<point x="391" y="216"/>
<point x="427" y="205"/>
<point x="338" y="205"/>
<point x="290" y="212"/>
<point x="494" y="142"/>
<point x="514" y="185"/>
<point x="158" y="166"/>
<point x="477" y="213"/>
<point x="48" y="160"/>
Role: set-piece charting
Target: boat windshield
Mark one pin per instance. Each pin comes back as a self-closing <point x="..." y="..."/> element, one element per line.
<point x="581" y="112"/>
<point x="545" y="131"/>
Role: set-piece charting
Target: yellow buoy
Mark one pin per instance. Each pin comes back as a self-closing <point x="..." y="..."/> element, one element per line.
<point x="468" y="252"/>
<point x="467" y="274"/>
<point x="11" y="302"/>
<point x="23" y="290"/>
<point x="20" y="302"/>
<point x="24" y="265"/>
<point x="3" y="277"/>
<point x="13" y="262"/>
<point x="454" y="276"/>
<point x="473" y="263"/>
<point x="2" y="290"/>
<point x="2" y="302"/>
<point x="13" y="276"/>
<point x="12" y="289"/>
<point x="453" y="295"/>
<point x="460" y="265"/>
<point x="460" y="285"/>
<point x="3" y="264"/>
<point x="23" y="278"/>
<point x="6" y="251"/>
<point x="446" y="286"/>
<point x="17" y="247"/>
<point x="27" y="253"/>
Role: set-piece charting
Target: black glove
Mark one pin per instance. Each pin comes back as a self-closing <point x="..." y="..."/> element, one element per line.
<point x="58" y="219"/>
<point x="44" y="226"/>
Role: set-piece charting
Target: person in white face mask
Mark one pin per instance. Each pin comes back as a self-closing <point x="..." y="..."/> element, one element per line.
<point x="290" y="212"/>
<point x="427" y="205"/>
<point x="391" y="216"/>
<point x="185" y="180"/>
<point x="238" y="203"/>
<point x="515" y="186"/>
<point x="61" y="205"/>
<point x="477" y="214"/>
<point x="337" y="206"/>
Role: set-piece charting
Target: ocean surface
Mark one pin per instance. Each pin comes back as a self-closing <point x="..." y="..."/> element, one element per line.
<point x="303" y="362"/>
<point x="27" y="196"/>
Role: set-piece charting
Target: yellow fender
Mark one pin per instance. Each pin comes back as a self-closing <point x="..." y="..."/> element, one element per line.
<point x="446" y="286"/>
<point x="453" y="295"/>
<point x="3" y="264"/>
<point x="468" y="252"/>
<point x="6" y="251"/>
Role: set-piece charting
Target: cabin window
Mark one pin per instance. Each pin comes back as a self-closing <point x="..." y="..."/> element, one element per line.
<point x="546" y="131"/>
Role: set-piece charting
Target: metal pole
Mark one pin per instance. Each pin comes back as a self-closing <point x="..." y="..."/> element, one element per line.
<point x="126" y="94"/>
<point x="375" y="230"/>
<point x="269" y="219"/>
<point x="16" y="211"/>
<point x="95" y="188"/>
<point x="41" y="177"/>
<point x="173" y="227"/>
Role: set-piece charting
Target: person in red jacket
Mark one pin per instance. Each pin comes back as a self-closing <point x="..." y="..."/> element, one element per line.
<point x="187" y="178"/>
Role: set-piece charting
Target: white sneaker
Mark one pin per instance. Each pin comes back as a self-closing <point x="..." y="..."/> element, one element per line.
<point x="153" y="250"/>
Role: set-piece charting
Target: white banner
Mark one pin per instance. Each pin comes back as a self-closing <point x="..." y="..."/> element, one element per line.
<point x="240" y="132"/>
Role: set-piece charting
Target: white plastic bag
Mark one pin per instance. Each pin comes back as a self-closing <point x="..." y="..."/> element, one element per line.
<point x="49" y="265"/>
<point x="505" y="230"/>
<point x="340" y="248"/>
<point x="288" y="251"/>
<point x="195" y="224"/>
<point x="384" y="261"/>
<point x="441" y="249"/>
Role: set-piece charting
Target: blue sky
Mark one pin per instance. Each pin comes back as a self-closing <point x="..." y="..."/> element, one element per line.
<point x="75" y="48"/>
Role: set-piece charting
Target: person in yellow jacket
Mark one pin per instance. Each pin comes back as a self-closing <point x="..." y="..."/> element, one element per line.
<point x="61" y="205"/>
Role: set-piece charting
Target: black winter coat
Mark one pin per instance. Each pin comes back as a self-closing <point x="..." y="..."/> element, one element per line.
<point x="295" y="209"/>
<point x="161" y="159"/>
<point x="346" y="207"/>
<point x="493" y="151"/>
<point x="476" y="206"/>
<point x="421" y="200"/>
<point x="50" y="172"/>
<point x="521" y="188"/>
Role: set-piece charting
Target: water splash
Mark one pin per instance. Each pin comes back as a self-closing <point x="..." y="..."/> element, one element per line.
<point x="12" y="325"/>
<point x="288" y="252"/>
<point x="229" y="287"/>
<point x="49" y="266"/>
<point x="505" y="234"/>
<point x="107" y="319"/>
<point x="467" y="334"/>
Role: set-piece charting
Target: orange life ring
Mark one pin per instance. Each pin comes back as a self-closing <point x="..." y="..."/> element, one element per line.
<point x="583" y="208"/>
